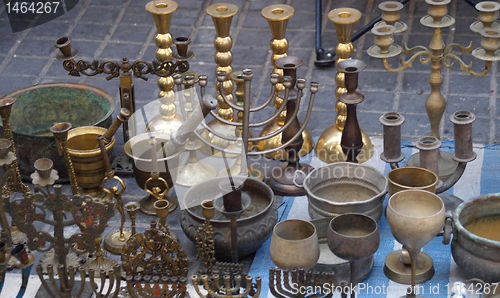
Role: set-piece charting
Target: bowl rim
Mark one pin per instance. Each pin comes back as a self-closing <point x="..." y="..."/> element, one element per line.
<point x="312" y="195"/>
<point x="72" y="85"/>
<point x="462" y="231"/>
<point x="264" y="187"/>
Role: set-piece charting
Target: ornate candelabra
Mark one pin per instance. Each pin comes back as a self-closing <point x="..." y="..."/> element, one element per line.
<point x="328" y="147"/>
<point x="281" y="281"/>
<point x="277" y="16"/>
<point x="154" y="264"/>
<point x="228" y="286"/>
<point x="438" y="55"/>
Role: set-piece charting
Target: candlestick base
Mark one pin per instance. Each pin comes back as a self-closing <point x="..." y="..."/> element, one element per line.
<point x="399" y="272"/>
<point x="282" y="180"/>
<point x="328" y="148"/>
<point x="113" y="243"/>
<point x="148" y="202"/>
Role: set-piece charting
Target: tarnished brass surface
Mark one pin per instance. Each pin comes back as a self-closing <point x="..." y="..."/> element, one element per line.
<point x="227" y="286"/>
<point x="328" y="147"/>
<point x="39" y="106"/>
<point x="411" y="178"/>
<point x="399" y="272"/>
<point x="294" y="244"/>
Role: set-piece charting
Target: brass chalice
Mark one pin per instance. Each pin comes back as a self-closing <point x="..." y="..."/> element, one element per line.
<point x="354" y="237"/>
<point x="415" y="217"/>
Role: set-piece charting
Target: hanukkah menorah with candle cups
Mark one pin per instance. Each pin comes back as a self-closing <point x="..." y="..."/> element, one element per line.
<point x="438" y="55"/>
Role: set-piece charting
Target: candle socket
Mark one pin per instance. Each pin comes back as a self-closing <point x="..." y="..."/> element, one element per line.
<point x="64" y="45"/>
<point x="429" y="153"/>
<point x="462" y="121"/>
<point x="182" y="46"/>
<point x="392" y="122"/>
<point x="231" y="196"/>
<point x="43" y="167"/>
<point x="161" y="207"/>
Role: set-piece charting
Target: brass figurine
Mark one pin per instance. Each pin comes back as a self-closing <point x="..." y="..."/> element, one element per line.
<point x="277" y="16"/>
<point x="439" y="55"/>
<point x="328" y="147"/>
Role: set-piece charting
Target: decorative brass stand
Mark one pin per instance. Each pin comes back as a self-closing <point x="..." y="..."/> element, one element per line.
<point x="277" y="16"/>
<point x="438" y="55"/>
<point x="328" y="148"/>
<point x="281" y="281"/>
<point x="154" y="264"/>
<point x="222" y="14"/>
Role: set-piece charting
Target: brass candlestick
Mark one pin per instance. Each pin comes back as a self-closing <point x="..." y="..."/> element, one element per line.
<point x="277" y="16"/>
<point x="14" y="183"/>
<point x="60" y="131"/>
<point x="328" y="147"/>
<point x="222" y="15"/>
<point x="131" y="209"/>
<point x="205" y="244"/>
<point x="438" y="55"/>
<point x="281" y="281"/>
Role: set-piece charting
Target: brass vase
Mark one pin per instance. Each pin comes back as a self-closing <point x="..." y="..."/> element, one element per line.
<point x="328" y="148"/>
<point x="277" y="16"/>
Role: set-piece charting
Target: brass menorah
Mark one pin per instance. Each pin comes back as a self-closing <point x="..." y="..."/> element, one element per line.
<point x="282" y="179"/>
<point x="227" y="286"/>
<point x="154" y="264"/>
<point x="281" y="281"/>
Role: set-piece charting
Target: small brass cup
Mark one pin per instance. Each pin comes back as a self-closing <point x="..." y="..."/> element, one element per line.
<point x="294" y="244"/>
<point x="64" y="46"/>
<point x="5" y="145"/>
<point x="208" y="209"/>
<point x="411" y="178"/>
<point x="161" y="207"/>
<point x="43" y="167"/>
<point x="182" y="45"/>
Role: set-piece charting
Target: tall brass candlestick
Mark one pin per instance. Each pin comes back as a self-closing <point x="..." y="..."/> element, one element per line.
<point x="170" y="121"/>
<point x="277" y="16"/>
<point x="328" y="148"/>
<point x="222" y="15"/>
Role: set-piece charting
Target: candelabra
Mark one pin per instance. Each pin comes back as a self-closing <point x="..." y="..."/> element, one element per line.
<point x="277" y="16"/>
<point x="154" y="264"/>
<point x="282" y="179"/>
<point x="438" y="55"/>
<point x="281" y="281"/>
<point x="228" y="286"/>
<point x="328" y="147"/>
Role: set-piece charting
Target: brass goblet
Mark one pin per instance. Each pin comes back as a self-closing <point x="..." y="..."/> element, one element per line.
<point x="354" y="237"/>
<point x="415" y="217"/>
<point x="294" y="244"/>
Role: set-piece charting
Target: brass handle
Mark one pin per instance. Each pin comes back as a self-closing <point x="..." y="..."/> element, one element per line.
<point x="122" y="117"/>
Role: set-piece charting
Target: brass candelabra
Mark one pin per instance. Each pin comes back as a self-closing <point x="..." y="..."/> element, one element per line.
<point x="277" y="15"/>
<point x="328" y="147"/>
<point x="227" y="286"/>
<point x="281" y="281"/>
<point x="438" y="55"/>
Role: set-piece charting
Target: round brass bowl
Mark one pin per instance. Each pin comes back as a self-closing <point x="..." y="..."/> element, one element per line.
<point x="86" y="156"/>
<point x="255" y="224"/>
<point x="411" y="178"/>
<point x="39" y="106"/>
<point x="477" y="257"/>
<point x="344" y="187"/>
<point x="139" y="150"/>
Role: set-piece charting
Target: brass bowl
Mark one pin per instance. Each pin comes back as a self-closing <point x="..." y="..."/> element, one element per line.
<point x="411" y="178"/>
<point x="344" y="187"/>
<point x="86" y="156"/>
<point x="39" y="106"/>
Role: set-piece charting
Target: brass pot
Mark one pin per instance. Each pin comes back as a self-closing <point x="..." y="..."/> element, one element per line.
<point x="476" y="256"/>
<point x="344" y="187"/>
<point x="294" y="244"/>
<point x="86" y="156"/>
<point x="411" y="178"/>
<point x="39" y="106"/>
